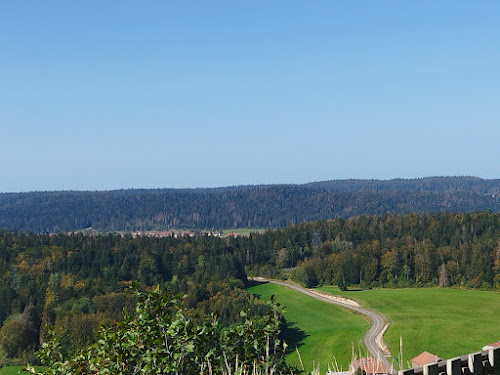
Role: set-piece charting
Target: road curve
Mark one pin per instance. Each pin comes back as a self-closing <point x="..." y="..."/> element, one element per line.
<point x="371" y="336"/>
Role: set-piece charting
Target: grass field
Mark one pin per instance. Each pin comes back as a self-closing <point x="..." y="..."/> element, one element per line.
<point x="243" y="231"/>
<point x="320" y="330"/>
<point x="445" y="322"/>
<point x="14" y="370"/>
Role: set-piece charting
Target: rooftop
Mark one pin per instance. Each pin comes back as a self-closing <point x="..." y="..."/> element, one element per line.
<point x="425" y="358"/>
<point x="492" y="346"/>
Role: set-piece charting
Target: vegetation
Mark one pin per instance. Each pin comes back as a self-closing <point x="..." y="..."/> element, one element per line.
<point x="267" y="206"/>
<point x="395" y="251"/>
<point x="159" y="338"/>
<point x="76" y="281"/>
<point x="445" y="322"/>
<point x="317" y="329"/>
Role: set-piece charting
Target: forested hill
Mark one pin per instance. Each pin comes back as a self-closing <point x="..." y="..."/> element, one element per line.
<point x="434" y="184"/>
<point x="265" y="206"/>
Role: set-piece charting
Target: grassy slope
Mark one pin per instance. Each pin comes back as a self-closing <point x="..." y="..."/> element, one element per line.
<point x="329" y="330"/>
<point x="446" y="322"/>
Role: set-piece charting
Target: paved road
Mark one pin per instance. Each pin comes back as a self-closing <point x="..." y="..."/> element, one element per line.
<point x="371" y="335"/>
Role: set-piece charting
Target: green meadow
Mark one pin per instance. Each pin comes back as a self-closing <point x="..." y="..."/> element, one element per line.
<point x="11" y="370"/>
<point x="15" y="370"/>
<point x="320" y="330"/>
<point x="445" y="322"/>
<point x="244" y="231"/>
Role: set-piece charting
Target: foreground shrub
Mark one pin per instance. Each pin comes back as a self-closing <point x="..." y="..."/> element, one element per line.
<point x="159" y="338"/>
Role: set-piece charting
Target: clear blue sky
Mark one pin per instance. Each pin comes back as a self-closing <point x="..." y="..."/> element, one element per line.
<point x="119" y="94"/>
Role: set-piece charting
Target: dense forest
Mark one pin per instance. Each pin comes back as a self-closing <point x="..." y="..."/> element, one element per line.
<point x="264" y="206"/>
<point x="442" y="249"/>
<point x="75" y="282"/>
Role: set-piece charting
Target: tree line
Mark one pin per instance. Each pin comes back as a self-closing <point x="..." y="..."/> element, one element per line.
<point x="412" y="250"/>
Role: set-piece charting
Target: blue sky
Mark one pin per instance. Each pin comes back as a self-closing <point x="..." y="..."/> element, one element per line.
<point x="104" y="94"/>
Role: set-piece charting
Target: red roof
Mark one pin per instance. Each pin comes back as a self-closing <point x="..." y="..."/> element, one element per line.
<point x="425" y="358"/>
<point x="370" y="366"/>
<point x="492" y="346"/>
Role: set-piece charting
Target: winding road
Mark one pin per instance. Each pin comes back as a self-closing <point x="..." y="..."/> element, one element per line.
<point x="371" y="342"/>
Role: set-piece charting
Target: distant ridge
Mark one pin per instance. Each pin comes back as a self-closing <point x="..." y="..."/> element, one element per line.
<point x="434" y="184"/>
<point x="263" y="206"/>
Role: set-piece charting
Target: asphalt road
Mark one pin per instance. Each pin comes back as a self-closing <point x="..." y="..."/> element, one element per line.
<point x="371" y="335"/>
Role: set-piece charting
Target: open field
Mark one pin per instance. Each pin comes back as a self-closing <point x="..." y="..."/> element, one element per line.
<point x="243" y="231"/>
<point x="320" y="330"/>
<point x="445" y="322"/>
<point x="11" y="370"/>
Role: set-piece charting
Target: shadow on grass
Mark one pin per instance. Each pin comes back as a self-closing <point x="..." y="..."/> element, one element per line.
<point x="251" y="283"/>
<point x="293" y="336"/>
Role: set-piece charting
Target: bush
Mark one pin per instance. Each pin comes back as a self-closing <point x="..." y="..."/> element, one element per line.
<point x="18" y="335"/>
<point x="159" y="338"/>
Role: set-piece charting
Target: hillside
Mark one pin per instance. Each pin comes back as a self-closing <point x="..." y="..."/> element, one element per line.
<point x="259" y="206"/>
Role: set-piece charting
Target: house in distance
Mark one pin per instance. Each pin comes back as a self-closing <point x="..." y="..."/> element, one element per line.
<point x="424" y="358"/>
